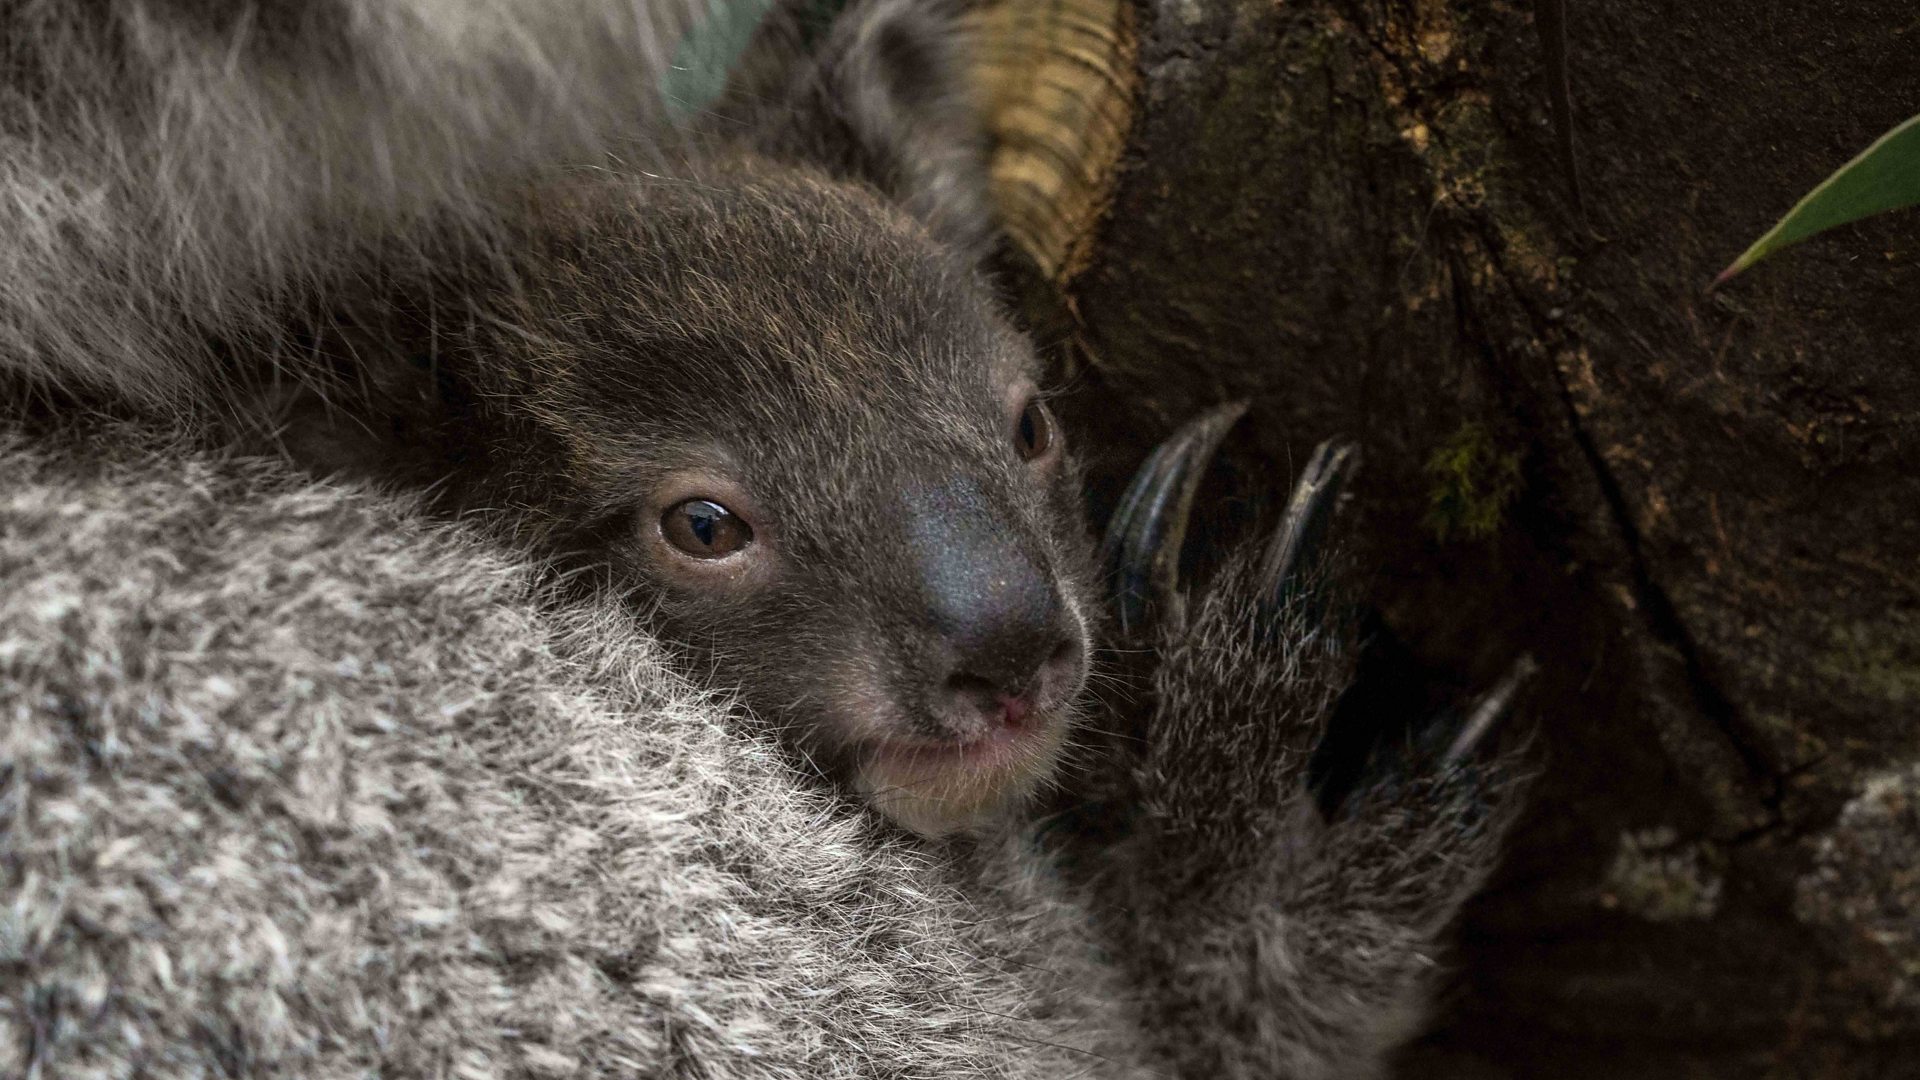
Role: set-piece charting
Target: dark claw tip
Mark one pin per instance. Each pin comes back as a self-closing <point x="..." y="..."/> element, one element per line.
<point x="1143" y="540"/>
<point x="1295" y="547"/>
<point x="1490" y="710"/>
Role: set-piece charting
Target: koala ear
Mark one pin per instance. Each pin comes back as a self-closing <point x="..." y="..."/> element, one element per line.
<point x="884" y="98"/>
<point x="377" y="409"/>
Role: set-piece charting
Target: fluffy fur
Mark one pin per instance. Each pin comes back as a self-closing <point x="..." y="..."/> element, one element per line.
<point x="177" y="172"/>
<point x="297" y="785"/>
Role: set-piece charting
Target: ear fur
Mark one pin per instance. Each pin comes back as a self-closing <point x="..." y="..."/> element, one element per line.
<point x="884" y="99"/>
<point x="370" y="409"/>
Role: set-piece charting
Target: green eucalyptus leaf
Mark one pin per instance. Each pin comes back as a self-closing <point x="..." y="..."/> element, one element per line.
<point x="1884" y="177"/>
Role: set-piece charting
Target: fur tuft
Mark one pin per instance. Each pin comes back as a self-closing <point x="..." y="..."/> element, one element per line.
<point x="179" y="172"/>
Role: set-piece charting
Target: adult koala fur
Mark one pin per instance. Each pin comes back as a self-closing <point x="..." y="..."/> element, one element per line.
<point x="179" y="171"/>
<point x="297" y="781"/>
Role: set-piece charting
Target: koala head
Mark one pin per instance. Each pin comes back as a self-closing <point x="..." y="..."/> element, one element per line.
<point x="768" y="392"/>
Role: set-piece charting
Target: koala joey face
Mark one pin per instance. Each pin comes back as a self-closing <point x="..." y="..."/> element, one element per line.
<point x="803" y="433"/>
<point x="918" y="628"/>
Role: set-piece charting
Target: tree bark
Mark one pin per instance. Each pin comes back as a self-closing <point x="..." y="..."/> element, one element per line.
<point x="1692" y="507"/>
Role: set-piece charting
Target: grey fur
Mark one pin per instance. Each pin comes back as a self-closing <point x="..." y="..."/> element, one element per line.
<point x="177" y="171"/>
<point x="1303" y="945"/>
<point x="298" y="781"/>
<point x="295" y="784"/>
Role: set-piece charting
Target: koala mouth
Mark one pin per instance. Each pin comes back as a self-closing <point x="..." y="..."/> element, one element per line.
<point x="993" y="747"/>
<point x="937" y="787"/>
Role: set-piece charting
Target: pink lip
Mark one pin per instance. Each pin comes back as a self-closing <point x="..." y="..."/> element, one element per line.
<point x="995" y="747"/>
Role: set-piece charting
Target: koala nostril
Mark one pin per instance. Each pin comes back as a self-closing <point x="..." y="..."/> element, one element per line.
<point x="1005" y="694"/>
<point x="1004" y="648"/>
<point x="995" y="706"/>
<point x="1014" y="709"/>
<point x="975" y="692"/>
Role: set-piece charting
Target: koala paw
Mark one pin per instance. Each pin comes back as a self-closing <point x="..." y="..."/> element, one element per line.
<point x="1301" y="938"/>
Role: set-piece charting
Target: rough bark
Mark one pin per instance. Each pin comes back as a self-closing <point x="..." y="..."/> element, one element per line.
<point x="1692" y="507"/>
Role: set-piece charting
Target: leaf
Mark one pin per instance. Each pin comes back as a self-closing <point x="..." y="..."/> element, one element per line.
<point x="1884" y="177"/>
<point x="708" y="52"/>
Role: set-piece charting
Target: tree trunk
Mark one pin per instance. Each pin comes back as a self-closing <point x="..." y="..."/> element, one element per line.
<point x="1693" y="508"/>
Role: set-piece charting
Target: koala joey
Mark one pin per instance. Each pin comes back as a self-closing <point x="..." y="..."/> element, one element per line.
<point x="770" y="395"/>
<point x="762" y="388"/>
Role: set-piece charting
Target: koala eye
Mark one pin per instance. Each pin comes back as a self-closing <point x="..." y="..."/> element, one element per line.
<point x="705" y="529"/>
<point x="1033" y="433"/>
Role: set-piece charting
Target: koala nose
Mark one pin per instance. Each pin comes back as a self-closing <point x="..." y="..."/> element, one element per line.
<point x="1005" y="698"/>
<point x="995" y="606"/>
<point x="1003" y="637"/>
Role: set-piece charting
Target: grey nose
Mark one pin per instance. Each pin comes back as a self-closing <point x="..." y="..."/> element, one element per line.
<point x="1002" y="632"/>
<point x="992" y="601"/>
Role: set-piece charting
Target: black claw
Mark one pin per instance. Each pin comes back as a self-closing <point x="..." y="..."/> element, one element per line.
<point x="1489" y="711"/>
<point x="1294" y="551"/>
<point x="1444" y="744"/>
<point x="1144" y="538"/>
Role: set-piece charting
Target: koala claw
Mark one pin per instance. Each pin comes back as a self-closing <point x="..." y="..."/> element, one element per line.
<point x="1143" y="540"/>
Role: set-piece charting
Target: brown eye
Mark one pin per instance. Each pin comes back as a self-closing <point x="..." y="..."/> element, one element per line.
<point x="1033" y="432"/>
<point x="704" y="530"/>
